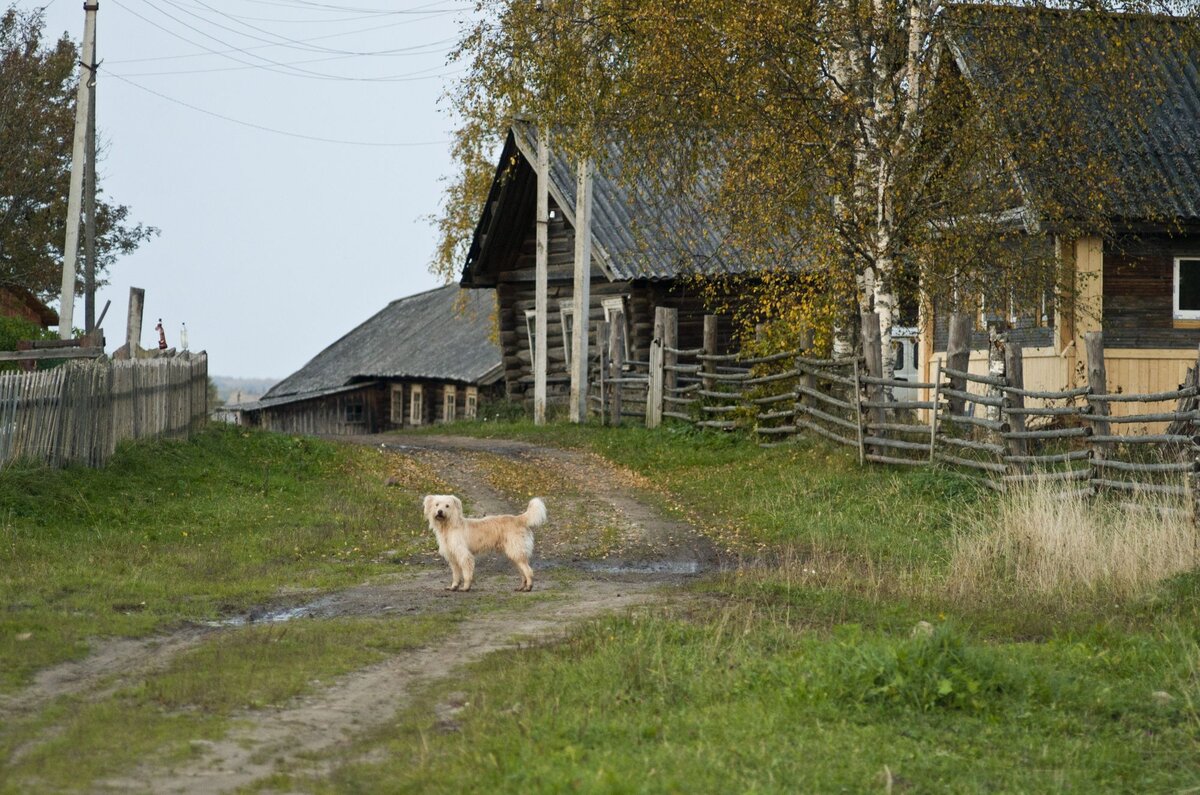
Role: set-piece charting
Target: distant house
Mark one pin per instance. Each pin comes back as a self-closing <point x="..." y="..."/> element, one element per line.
<point x="424" y="359"/>
<point x="21" y="303"/>
<point x="1140" y="283"/>
<point x="644" y="248"/>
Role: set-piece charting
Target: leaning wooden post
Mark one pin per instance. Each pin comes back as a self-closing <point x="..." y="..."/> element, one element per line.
<point x="616" y="362"/>
<point x="654" y="391"/>
<point x="710" y="349"/>
<point x="541" y="276"/>
<point x="602" y="335"/>
<point x="858" y="413"/>
<point x="958" y="356"/>
<point x="807" y="379"/>
<point x="933" y="412"/>
<point x="873" y="353"/>
<point x="997" y="345"/>
<point x="670" y="345"/>
<point x="1093" y="342"/>
<point x="1014" y="373"/>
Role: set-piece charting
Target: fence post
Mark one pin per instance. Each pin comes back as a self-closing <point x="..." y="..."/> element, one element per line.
<point x="654" y="391"/>
<point x="710" y="349"/>
<point x="807" y="379"/>
<point x="1014" y="373"/>
<point x="858" y="414"/>
<point x="1093" y="342"/>
<point x="873" y="353"/>
<point x="958" y="356"/>
<point x="997" y="347"/>
<point x="670" y="340"/>
<point x="602" y="335"/>
<point x="616" y="361"/>
<point x="933" y="412"/>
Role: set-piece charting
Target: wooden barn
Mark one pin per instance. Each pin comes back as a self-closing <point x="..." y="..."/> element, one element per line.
<point x="644" y="250"/>
<point x="1139" y="283"/>
<point x="428" y="358"/>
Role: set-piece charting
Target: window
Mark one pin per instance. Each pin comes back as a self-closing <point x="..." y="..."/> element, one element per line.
<point x="613" y="307"/>
<point x="354" y="412"/>
<point x="567" y="313"/>
<point x="472" y="403"/>
<point x="416" y="405"/>
<point x="397" y="408"/>
<point x="1187" y="288"/>
<point x="449" y="401"/>
<point x="531" y="333"/>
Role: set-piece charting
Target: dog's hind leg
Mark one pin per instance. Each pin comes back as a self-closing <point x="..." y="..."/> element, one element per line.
<point x="526" y="575"/>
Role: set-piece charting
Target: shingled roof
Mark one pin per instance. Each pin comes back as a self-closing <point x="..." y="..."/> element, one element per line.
<point x="638" y="232"/>
<point x="1121" y="90"/>
<point x="443" y="334"/>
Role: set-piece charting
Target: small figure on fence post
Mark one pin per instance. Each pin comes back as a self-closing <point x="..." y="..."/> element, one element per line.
<point x="162" y="336"/>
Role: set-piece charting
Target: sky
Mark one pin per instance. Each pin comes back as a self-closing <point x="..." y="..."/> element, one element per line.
<point x="273" y="243"/>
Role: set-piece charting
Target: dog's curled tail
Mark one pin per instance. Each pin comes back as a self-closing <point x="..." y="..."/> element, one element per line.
<point x="535" y="514"/>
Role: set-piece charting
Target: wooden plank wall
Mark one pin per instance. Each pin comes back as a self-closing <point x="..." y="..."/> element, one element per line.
<point x="77" y="413"/>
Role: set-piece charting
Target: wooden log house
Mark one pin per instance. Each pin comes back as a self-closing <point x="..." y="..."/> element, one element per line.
<point x="1139" y="284"/>
<point x="428" y="358"/>
<point x="646" y="250"/>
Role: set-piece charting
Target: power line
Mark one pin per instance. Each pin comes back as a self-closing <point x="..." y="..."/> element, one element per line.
<point x="269" y="65"/>
<point x="266" y="46"/>
<point x="205" y="111"/>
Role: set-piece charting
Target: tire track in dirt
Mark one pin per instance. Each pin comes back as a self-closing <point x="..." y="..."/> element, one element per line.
<point x="266" y="741"/>
<point x="651" y="552"/>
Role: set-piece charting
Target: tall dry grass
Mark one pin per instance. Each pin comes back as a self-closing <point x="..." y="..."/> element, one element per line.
<point x="1038" y="540"/>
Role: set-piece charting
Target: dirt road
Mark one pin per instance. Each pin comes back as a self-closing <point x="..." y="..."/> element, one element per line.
<point x="606" y="548"/>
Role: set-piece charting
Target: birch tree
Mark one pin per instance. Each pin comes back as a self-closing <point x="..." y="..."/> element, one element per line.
<point x="846" y="129"/>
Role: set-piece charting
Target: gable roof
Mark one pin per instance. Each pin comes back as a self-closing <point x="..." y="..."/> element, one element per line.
<point x="443" y="334"/>
<point x="15" y="299"/>
<point x="1146" y="151"/>
<point x="637" y="231"/>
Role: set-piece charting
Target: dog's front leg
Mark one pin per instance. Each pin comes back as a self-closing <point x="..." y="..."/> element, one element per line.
<point x="468" y="571"/>
<point x="455" y="574"/>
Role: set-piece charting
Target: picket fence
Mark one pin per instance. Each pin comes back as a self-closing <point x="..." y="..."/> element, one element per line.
<point x="78" y="412"/>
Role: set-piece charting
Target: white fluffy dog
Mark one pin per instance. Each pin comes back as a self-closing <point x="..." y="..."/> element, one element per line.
<point x="460" y="538"/>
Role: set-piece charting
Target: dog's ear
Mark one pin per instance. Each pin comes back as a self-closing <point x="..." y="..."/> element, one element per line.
<point x="428" y="503"/>
<point x="457" y="505"/>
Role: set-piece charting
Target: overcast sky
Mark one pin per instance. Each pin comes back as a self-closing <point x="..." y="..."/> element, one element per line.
<point x="273" y="244"/>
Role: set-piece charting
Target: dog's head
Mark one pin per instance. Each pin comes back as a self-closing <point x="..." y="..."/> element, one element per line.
<point x="442" y="508"/>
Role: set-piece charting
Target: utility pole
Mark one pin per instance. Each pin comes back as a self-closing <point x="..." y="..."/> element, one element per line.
<point x="87" y="63"/>
<point x="89" y="205"/>
<point x="541" y="290"/>
<point x="583" y="284"/>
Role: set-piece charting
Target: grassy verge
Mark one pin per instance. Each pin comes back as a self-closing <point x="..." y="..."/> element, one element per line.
<point x="175" y="532"/>
<point x="739" y="702"/>
<point x="751" y="499"/>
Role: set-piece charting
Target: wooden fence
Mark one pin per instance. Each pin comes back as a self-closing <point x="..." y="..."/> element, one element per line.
<point x="987" y="425"/>
<point x="78" y="412"/>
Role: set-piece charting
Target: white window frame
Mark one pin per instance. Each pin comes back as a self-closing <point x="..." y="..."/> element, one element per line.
<point x="396" y="410"/>
<point x="449" y="402"/>
<point x="1176" y="312"/>
<point x="416" y="405"/>
<point x="566" y="317"/>
<point x="611" y="306"/>
<point x="471" y="404"/>
<point x="531" y="333"/>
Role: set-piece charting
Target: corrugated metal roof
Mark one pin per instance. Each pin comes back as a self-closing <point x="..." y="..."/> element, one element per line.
<point x="639" y="231"/>
<point x="443" y="334"/>
<point x="1146" y="150"/>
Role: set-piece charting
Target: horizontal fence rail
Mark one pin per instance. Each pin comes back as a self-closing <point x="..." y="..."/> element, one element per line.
<point x="78" y="412"/>
<point x="986" y="425"/>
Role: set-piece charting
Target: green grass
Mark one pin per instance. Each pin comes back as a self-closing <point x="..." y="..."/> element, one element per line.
<point x="740" y="702"/>
<point x="187" y="531"/>
<point x="749" y="498"/>
<point x="74" y="741"/>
